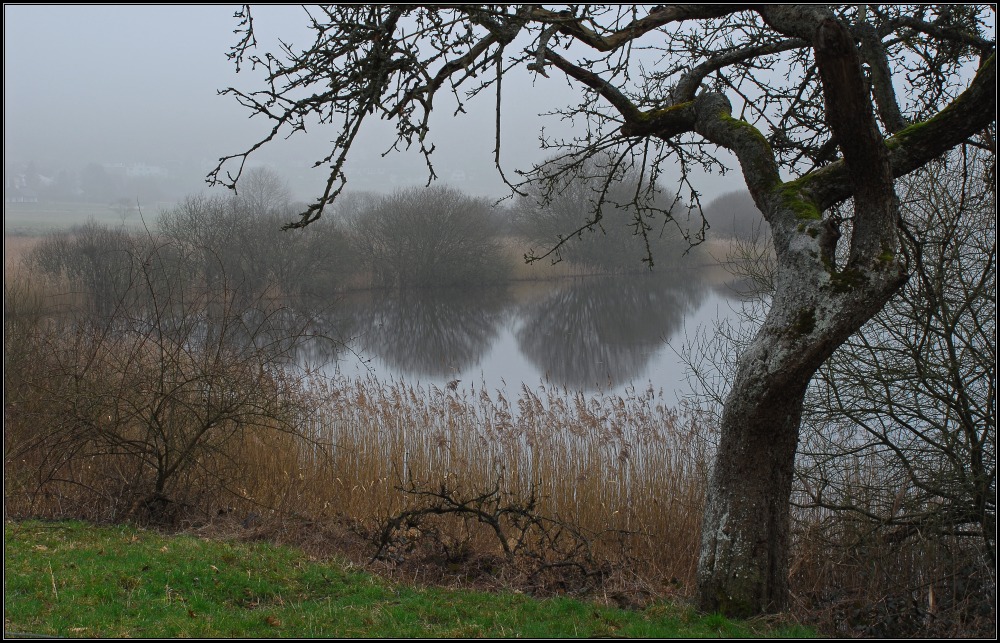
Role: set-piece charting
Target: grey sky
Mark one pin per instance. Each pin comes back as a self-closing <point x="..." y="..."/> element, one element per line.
<point x="114" y="82"/>
<point x="107" y="84"/>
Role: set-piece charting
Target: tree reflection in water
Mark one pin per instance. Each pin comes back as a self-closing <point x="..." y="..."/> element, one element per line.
<point x="604" y="331"/>
<point x="427" y="332"/>
<point x="584" y="334"/>
<point x="330" y="328"/>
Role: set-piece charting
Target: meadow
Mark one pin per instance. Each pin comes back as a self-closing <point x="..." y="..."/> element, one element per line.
<point x="123" y="582"/>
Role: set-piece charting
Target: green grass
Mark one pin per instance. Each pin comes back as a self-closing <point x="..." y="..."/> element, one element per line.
<point x="77" y="580"/>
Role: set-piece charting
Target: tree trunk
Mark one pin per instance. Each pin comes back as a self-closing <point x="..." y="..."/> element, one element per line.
<point x="743" y="565"/>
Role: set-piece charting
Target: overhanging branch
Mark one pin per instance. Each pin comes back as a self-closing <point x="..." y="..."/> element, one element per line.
<point x="657" y="17"/>
<point x="913" y="147"/>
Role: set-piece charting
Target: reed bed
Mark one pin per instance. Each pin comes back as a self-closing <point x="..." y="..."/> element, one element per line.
<point x="607" y="465"/>
<point x="624" y="474"/>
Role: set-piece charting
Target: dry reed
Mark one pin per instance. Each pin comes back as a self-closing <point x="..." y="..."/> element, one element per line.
<point x="604" y="463"/>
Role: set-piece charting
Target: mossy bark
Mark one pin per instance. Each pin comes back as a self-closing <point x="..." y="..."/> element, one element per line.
<point x="743" y="563"/>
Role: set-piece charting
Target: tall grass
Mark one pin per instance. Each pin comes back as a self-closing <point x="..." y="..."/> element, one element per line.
<point x="95" y="422"/>
<point x="603" y="463"/>
<point x="607" y="465"/>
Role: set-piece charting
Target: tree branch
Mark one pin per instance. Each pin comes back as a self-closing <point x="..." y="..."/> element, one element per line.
<point x="658" y="17"/>
<point x="849" y="114"/>
<point x="690" y="81"/>
<point x="913" y="147"/>
<point x="609" y="92"/>
<point x="881" y="78"/>
<point x="944" y="32"/>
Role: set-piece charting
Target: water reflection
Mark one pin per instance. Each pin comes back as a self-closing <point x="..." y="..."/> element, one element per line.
<point x="330" y="329"/>
<point x="599" y="330"/>
<point x="434" y="333"/>
<point x="583" y="333"/>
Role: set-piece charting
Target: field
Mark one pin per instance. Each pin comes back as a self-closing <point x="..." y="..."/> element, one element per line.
<point x="40" y="218"/>
<point x="75" y="580"/>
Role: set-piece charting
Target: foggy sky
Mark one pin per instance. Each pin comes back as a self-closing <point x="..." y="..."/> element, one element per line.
<point x="112" y="84"/>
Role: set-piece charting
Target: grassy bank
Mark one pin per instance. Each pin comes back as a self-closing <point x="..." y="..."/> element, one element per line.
<point x="73" y="579"/>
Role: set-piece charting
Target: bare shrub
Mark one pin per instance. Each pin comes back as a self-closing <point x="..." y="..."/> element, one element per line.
<point x="429" y="237"/>
<point x="901" y="440"/>
<point x="238" y="237"/>
<point x="552" y="554"/>
<point x="145" y="411"/>
<point x="95" y="258"/>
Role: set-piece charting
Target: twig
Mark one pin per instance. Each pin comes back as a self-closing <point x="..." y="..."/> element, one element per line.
<point x="53" y="577"/>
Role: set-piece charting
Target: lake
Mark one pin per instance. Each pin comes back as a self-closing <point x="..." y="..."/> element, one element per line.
<point x="586" y="333"/>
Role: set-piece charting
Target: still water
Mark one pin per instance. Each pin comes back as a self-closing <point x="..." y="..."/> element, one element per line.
<point x="584" y="334"/>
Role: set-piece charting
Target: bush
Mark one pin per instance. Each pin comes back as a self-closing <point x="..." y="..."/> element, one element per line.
<point x="636" y="221"/>
<point x="734" y="215"/>
<point x="95" y="257"/>
<point x="429" y="237"/>
<point x="240" y="236"/>
<point x="143" y="411"/>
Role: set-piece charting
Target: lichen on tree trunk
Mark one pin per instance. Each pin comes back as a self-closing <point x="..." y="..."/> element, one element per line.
<point x="743" y="562"/>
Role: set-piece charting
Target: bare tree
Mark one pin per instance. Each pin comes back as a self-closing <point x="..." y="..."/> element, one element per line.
<point x="428" y="237"/>
<point x="262" y="191"/>
<point x="620" y="240"/>
<point x="897" y="451"/>
<point x="845" y="99"/>
<point x="234" y="238"/>
<point x="145" y="406"/>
